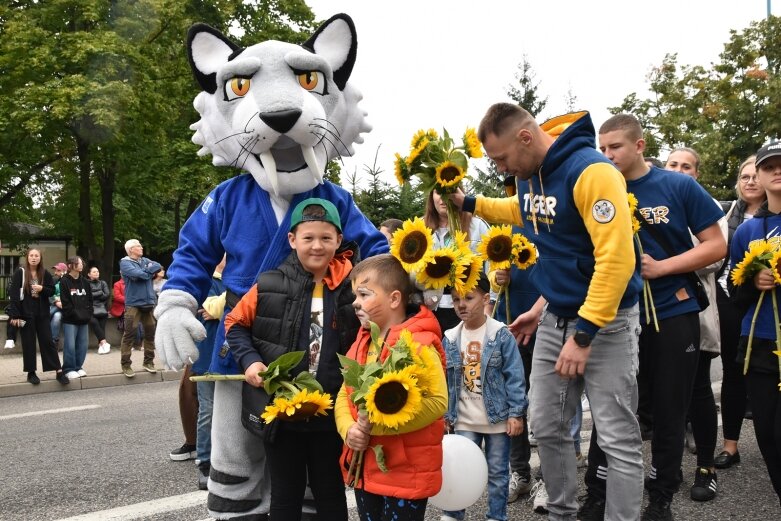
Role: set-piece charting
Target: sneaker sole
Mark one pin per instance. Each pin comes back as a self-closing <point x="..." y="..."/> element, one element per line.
<point x="148" y="370"/>
<point x="182" y="457"/>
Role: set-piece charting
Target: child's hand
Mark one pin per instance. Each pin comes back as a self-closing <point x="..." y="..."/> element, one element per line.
<point x="514" y="426"/>
<point x="357" y="437"/>
<point x="251" y="374"/>
<point x="764" y="280"/>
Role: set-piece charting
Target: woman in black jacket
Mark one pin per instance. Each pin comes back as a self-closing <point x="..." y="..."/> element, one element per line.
<point x="100" y="294"/>
<point x="30" y="289"/>
<point x="76" y="298"/>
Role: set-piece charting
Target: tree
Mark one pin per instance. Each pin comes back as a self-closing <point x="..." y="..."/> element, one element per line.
<point x="725" y="111"/>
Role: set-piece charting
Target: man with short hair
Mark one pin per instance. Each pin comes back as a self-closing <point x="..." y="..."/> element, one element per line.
<point x="671" y="205"/>
<point x="137" y="271"/>
<point x="55" y="305"/>
<point x="574" y="208"/>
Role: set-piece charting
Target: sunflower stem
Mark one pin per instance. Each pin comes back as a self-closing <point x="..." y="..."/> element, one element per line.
<point x="289" y="386"/>
<point x="507" y="318"/>
<point x="653" y="307"/>
<point x="217" y="377"/>
<point x="648" y="299"/>
<point x="496" y="305"/>
<point x="751" y="332"/>
<point x="453" y="216"/>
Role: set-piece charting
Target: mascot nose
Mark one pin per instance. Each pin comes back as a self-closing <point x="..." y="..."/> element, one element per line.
<point x="282" y="120"/>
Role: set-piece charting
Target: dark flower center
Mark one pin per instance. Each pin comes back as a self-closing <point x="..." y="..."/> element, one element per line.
<point x="390" y="397"/>
<point x="439" y="267"/>
<point x="449" y="173"/>
<point x="413" y="247"/>
<point x="307" y="410"/>
<point x="500" y="248"/>
<point x="524" y="255"/>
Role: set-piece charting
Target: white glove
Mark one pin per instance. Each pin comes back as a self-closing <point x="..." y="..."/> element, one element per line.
<point x="177" y="328"/>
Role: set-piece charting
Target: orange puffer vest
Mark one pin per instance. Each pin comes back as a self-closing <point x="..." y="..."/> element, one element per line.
<point x="414" y="459"/>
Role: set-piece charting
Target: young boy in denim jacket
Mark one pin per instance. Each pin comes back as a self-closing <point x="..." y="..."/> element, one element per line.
<point x="486" y="389"/>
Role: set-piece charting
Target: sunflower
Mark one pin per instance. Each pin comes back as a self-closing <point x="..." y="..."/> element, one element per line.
<point x="473" y="265"/>
<point x="759" y="252"/>
<point x="449" y="174"/>
<point x="415" y="152"/>
<point x="525" y="252"/>
<point x="632" y="207"/>
<point x="461" y="243"/>
<point x="303" y="405"/>
<point x="775" y="266"/>
<point x="472" y="144"/>
<point x="429" y="134"/>
<point x="427" y="370"/>
<point x="401" y="169"/>
<point x="411" y="244"/>
<point x="440" y="270"/>
<point x="394" y="399"/>
<point x="496" y="246"/>
<point x="406" y="339"/>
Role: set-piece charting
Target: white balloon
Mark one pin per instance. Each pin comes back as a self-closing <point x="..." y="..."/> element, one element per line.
<point x="464" y="474"/>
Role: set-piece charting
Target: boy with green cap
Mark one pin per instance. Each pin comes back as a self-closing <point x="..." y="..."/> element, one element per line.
<point x="304" y="305"/>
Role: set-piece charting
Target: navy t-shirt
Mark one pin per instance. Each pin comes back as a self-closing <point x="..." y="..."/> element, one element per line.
<point x="674" y="204"/>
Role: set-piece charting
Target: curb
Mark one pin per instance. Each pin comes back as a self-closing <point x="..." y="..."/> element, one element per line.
<point x="89" y="382"/>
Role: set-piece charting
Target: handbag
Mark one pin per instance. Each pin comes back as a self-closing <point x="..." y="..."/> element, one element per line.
<point x="253" y="402"/>
<point x="693" y="278"/>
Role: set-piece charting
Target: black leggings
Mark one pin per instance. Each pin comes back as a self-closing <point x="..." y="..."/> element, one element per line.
<point x="292" y="457"/>
<point x="520" y="450"/>
<point x="766" y="406"/>
<point x="372" y="507"/>
<point x="702" y="413"/>
<point x="98" y="325"/>
<point x="733" y="384"/>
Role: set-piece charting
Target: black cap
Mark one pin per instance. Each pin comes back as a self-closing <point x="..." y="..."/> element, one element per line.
<point x="483" y="284"/>
<point x="768" y="150"/>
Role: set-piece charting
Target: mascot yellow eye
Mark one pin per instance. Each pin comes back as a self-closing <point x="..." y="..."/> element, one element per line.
<point x="237" y="88"/>
<point x="313" y="81"/>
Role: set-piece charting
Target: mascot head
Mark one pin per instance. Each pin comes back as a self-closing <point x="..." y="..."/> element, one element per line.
<point x="277" y="110"/>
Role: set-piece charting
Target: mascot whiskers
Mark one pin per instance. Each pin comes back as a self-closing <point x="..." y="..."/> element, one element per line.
<point x="279" y="112"/>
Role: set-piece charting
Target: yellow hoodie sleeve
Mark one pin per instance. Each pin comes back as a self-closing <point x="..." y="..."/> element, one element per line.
<point x="601" y="198"/>
<point x="499" y="210"/>
<point x="215" y="305"/>
<point x="342" y="414"/>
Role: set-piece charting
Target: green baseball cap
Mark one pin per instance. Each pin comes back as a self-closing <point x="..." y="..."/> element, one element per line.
<point x="315" y="209"/>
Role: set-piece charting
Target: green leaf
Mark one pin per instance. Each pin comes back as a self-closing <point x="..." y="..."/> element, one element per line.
<point x="351" y="371"/>
<point x="305" y="380"/>
<point x="379" y="455"/>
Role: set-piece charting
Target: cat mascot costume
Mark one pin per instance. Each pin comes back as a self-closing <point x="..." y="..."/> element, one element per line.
<point x="279" y="112"/>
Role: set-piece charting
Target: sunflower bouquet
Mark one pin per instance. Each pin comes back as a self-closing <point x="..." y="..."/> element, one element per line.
<point x="453" y="265"/>
<point x="760" y="256"/>
<point x="502" y="248"/>
<point x="648" y="299"/>
<point x="295" y="398"/>
<point x="389" y="392"/>
<point x="439" y="164"/>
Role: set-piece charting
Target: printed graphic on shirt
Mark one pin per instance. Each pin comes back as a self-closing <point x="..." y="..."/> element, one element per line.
<point x="655" y="215"/>
<point x="471" y="360"/>
<point x="316" y="329"/>
<point x="603" y="211"/>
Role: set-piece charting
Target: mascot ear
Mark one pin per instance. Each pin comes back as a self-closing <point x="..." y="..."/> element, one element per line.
<point x="207" y="51"/>
<point x="336" y="41"/>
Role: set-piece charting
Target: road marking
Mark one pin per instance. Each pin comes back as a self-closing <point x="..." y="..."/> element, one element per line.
<point x="146" y="509"/>
<point x="50" y="411"/>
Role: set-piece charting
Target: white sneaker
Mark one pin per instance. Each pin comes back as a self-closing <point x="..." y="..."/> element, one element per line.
<point x="532" y="440"/>
<point x="540" y="497"/>
<point x="104" y="348"/>
<point x="82" y="372"/>
<point x="585" y="405"/>
<point x="73" y="374"/>
<point x="9" y="344"/>
<point x="447" y="518"/>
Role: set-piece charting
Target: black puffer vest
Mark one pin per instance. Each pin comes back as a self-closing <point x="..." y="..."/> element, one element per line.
<point x="282" y="321"/>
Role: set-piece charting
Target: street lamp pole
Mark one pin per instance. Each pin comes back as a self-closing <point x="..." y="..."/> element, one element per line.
<point x="768" y="8"/>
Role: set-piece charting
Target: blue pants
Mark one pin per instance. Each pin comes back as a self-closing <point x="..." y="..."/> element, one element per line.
<point x="74" y="350"/>
<point x="203" y="433"/>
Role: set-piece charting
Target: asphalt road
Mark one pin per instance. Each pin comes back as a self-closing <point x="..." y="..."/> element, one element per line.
<point x="102" y="454"/>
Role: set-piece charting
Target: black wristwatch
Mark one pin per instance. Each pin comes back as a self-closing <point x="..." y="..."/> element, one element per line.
<point x="582" y="339"/>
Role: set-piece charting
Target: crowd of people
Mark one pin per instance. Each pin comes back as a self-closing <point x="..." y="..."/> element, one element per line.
<point x="633" y="296"/>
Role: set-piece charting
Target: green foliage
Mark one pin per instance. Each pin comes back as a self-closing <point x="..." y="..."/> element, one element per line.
<point x="526" y="93"/>
<point x="725" y="111"/>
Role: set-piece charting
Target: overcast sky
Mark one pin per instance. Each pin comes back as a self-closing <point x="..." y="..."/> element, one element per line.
<point x="435" y="63"/>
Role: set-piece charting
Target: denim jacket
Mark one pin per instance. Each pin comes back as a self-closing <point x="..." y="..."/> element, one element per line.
<point x="501" y="373"/>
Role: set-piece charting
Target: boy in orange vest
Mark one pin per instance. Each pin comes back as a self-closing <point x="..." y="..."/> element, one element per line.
<point x="413" y="452"/>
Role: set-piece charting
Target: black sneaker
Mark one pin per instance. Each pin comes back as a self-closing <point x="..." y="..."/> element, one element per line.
<point x="183" y="453"/>
<point x="33" y="378"/>
<point x="64" y="380"/>
<point x="704" y="488"/>
<point x="657" y="510"/>
<point x="592" y="509"/>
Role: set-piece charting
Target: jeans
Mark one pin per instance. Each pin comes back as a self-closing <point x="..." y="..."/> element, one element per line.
<point x="575" y="425"/>
<point x="203" y="436"/>
<point x="74" y="349"/>
<point x="610" y="381"/>
<point x="497" y="454"/>
<point x="56" y="320"/>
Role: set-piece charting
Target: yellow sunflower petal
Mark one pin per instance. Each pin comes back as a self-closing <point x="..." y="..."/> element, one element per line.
<point x="473" y="265"/>
<point x="394" y="399"/>
<point x="775" y="266"/>
<point x="412" y="243"/>
<point x="472" y="145"/>
<point x="496" y="246"/>
<point x="401" y="170"/>
<point x="449" y="174"/>
<point x="440" y="269"/>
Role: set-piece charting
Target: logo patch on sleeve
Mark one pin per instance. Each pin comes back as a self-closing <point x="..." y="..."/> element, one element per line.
<point x="603" y="211"/>
<point x="206" y="204"/>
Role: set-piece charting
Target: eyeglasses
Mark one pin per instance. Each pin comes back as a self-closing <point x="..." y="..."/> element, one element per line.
<point x="745" y="179"/>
